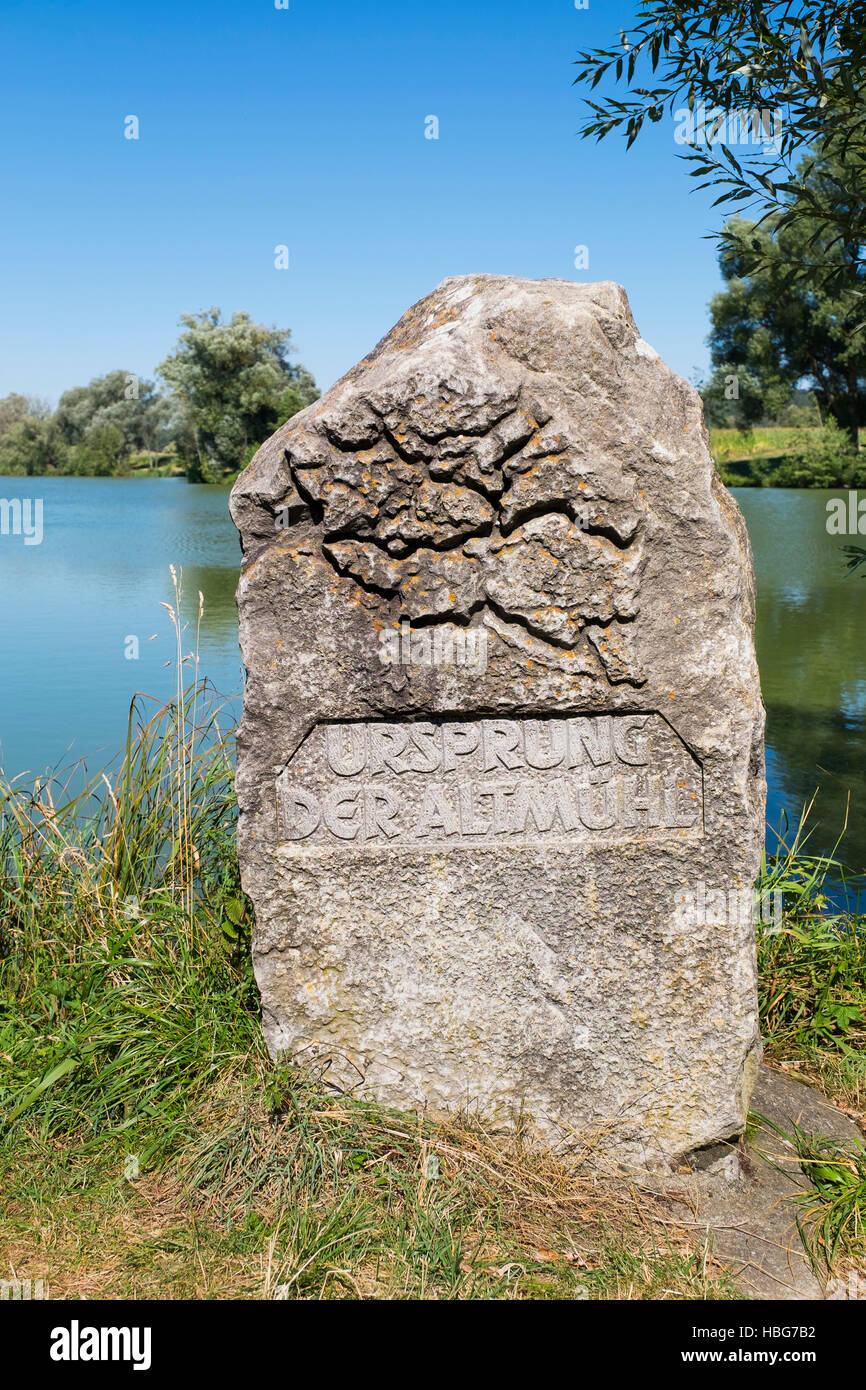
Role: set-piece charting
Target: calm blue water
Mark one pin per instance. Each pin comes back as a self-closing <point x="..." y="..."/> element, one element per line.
<point x="102" y="571"/>
<point x="98" y="578"/>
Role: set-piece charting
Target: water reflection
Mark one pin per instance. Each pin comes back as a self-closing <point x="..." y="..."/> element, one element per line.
<point x="811" y="622"/>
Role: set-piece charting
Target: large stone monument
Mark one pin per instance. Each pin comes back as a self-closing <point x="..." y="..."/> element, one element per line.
<point x="502" y="732"/>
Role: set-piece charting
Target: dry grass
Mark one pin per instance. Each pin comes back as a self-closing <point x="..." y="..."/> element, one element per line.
<point x="307" y="1195"/>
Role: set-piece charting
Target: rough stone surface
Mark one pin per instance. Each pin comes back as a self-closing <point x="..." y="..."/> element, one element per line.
<point x="746" y="1200"/>
<point x="502" y="717"/>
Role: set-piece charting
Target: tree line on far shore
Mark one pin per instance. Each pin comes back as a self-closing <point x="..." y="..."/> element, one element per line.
<point x="227" y="387"/>
<point x="785" y="398"/>
<point x="783" y="401"/>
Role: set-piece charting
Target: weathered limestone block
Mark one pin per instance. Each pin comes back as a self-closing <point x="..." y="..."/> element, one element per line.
<point x="502" y="735"/>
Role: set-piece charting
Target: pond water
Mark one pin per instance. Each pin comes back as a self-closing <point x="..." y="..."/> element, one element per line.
<point x="811" y="641"/>
<point x="98" y="578"/>
<point x="73" y="603"/>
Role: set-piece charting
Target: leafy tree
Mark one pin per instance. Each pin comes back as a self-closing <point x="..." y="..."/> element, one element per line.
<point x="99" y="453"/>
<point x="15" y="408"/>
<point x="773" y="332"/>
<point x="822" y="458"/>
<point x="235" y="384"/>
<point x="95" y="428"/>
<point x="120" y="400"/>
<point x="232" y="385"/>
<point x="298" y="396"/>
<point x="737" y="396"/>
<point x="799" y="63"/>
<point x="737" y="400"/>
<point x="32" y="445"/>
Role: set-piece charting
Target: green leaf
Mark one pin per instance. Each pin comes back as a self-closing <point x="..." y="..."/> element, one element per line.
<point x="62" y="1069"/>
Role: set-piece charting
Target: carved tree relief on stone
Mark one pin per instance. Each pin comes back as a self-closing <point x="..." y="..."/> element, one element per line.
<point x="492" y="508"/>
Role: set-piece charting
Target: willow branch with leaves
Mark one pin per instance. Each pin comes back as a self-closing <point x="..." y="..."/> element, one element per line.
<point x="801" y="61"/>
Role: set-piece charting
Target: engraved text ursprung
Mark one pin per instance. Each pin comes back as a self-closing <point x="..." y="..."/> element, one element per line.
<point x="490" y="780"/>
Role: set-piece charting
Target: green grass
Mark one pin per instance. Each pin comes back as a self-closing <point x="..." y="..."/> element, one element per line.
<point x="787" y="456"/>
<point x="834" y="1210"/>
<point x="832" y="1207"/>
<point x="812" y="972"/>
<point x="812" y="999"/>
<point x="764" y="441"/>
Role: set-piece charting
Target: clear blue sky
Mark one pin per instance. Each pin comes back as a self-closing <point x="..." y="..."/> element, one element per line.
<point x="305" y="127"/>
